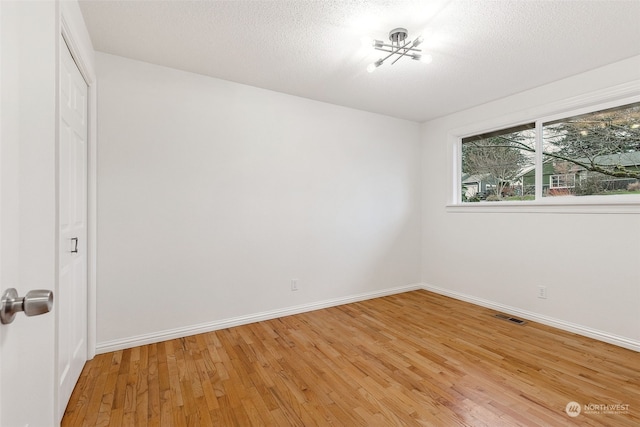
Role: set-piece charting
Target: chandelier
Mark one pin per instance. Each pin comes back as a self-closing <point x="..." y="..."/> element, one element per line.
<point x="399" y="47"/>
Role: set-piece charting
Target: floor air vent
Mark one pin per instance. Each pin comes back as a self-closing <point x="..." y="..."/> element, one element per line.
<point x="510" y="319"/>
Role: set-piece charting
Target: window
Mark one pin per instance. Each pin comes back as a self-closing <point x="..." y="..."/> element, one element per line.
<point x="493" y="164"/>
<point x="602" y="148"/>
<point x="589" y="154"/>
<point x="562" y="181"/>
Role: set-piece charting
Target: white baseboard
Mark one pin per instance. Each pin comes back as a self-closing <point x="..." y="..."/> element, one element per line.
<point x="119" y="344"/>
<point x="549" y="321"/>
<point x="169" y="334"/>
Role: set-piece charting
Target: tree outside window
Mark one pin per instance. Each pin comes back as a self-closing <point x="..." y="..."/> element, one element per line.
<point x="597" y="153"/>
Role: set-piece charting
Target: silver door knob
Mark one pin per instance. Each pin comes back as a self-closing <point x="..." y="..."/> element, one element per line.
<point x="36" y="302"/>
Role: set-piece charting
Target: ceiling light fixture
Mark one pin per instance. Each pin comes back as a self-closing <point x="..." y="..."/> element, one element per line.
<point x="399" y="46"/>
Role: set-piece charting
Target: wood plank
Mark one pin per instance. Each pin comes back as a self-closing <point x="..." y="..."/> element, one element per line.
<point x="415" y="358"/>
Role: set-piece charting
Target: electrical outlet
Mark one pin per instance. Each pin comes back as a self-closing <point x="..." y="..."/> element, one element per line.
<point x="542" y="292"/>
<point x="294" y="284"/>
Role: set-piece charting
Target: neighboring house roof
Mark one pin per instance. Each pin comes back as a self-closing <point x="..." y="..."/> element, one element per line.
<point x="630" y="159"/>
<point x="526" y="170"/>
<point x="623" y="159"/>
<point x="469" y="179"/>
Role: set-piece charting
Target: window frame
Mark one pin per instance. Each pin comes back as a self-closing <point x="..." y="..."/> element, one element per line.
<point x="563" y="178"/>
<point x="601" y="100"/>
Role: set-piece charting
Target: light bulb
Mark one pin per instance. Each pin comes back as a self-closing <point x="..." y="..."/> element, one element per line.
<point x="372" y="67"/>
<point x="427" y="59"/>
<point x="418" y="41"/>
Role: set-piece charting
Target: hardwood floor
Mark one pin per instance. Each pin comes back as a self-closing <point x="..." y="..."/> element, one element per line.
<point x="416" y="358"/>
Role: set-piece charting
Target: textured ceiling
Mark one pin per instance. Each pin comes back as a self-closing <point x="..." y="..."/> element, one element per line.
<point x="482" y="50"/>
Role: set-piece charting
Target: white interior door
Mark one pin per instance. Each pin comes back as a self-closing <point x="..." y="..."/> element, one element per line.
<point x="72" y="285"/>
<point x="27" y="207"/>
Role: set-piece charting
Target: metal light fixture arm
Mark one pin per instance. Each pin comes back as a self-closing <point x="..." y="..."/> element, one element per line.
<point x="397" y="37"/>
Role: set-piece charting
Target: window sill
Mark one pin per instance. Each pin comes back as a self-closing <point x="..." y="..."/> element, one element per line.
<point x="593" y="205"/>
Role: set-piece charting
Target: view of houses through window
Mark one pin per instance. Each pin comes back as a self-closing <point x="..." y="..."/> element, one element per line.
<point x="590" y="154"/>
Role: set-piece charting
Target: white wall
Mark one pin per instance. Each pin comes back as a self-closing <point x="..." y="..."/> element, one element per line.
<point x="500" y="258"/>
<point x="213" y="195"/>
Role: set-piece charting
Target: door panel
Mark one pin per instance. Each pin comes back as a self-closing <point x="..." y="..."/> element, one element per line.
<point x="72" y="285"/>
<point x="28" y="207"/>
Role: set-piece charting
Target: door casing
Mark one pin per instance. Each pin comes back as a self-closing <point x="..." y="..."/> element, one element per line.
<point x="77" y="38"/>
<point x="71" y="319"/>
<point x="74" y="34"/>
